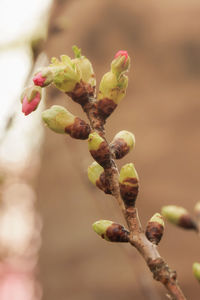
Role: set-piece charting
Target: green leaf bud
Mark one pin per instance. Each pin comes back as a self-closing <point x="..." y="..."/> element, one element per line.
<point x="111" y="231"/>
<point x="85" y="66"/>
<point x="196" y="270"/>
<point x="155" y="229"/>
<point x="94" y="172"/>
<point x="99" y="149"/>
<point x="129" y="186"/>
<point x="179" y="216"/>
<point x="122" y="143"/>
<point x="66" y="73"/>
<point x="113" y="88"/>
<point x="60" y="120"/>
<point x="94" y="141"/>
<point x="96" y="176"/>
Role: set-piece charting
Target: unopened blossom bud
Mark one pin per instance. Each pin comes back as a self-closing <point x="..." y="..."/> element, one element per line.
<point x="122" y="143"/>
<point x="30" y="99"/>
<point x="44" y="77"/>
<point x="197" y="209"/>
<point x="85" y="66"/>
<point x="111" y="231"/>
<point x="99" y="149"/>
<point x="121" y="63"/>
<point x="60" y="120"/>
<point x="111" y="91"/>
<point x="179" y="216"/>
<point x="66" y="73"/>
<point x="196" y="270"/>
<point x="129" y="184"/>
<point x="155" y="229"/>
<point x="96" y="175"/>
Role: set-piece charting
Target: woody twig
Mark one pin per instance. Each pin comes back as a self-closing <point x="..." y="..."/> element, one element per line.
<point x="75" y="77"/>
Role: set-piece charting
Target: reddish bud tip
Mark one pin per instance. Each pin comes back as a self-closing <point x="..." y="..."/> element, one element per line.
<point x="122" y="53"/>
<point x="28" y="107"/>
<point x="39" y="80"/>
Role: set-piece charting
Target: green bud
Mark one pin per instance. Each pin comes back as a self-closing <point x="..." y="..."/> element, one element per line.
<point x="60" y="120"/>
<point x="85" y="66"/>
<point x="128" y="175"/>
<point x="155" y="228"/>
<point x="100" y="227"/>
<point x="179" y="216"/>
<point x="129" y="186"/>
<point x="57" y="118"/>
<point x="196" y="270"/>
<point x="66" y="73"/>
<point x="173" y="213"/>
<point x="94" y="172"/>
<point x="113" y="88"/>
<point x="122" y="143"/>
<point x="111" y="231"/>
<point x="94" y="141"/>
<point x="127" y="136"/>
<point x="158" y="219"/>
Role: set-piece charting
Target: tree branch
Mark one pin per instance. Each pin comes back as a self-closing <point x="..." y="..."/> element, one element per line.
<point x="159" y="268"/>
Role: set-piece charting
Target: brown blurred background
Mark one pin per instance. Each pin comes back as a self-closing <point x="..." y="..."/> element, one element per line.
<point x="162" y="109"/>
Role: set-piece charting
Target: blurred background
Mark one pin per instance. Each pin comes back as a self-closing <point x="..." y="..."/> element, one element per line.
<point x="48" y="249"/>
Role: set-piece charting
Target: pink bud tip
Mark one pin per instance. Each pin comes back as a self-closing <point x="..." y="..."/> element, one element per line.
<point x="39" y="80"/>
<point x="122" y="53"/>
<point x="28" y="107"/>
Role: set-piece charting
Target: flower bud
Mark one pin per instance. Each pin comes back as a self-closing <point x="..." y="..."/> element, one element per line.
<point x="30" y="99"/>
<point x="122" y="143"/>
<point x="60" y="120"/>
<point x="111" y="91"/>
<point x="179" y="216"/>
<point x="197" y="209"/>
<point x="155" y="229"/>
<point x="66" y="73"/>
<point x="129" y="186"/>
<point x="121" y="63"/>
<point x="85" y="66"/>
<point x="111" y="231"/>
<point x="99" y="150"/>
<point x="196" y="270"/>
<point x="96" y="175"/>
<point x="44" y="77"/>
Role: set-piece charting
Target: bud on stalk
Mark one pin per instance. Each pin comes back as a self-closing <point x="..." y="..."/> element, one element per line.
<point x="196" y="270"/>
<point x="129" y="186"/>
<point x="111" y="231"/>
<point x="96" y="176"/>
<point x="30" y="99"/>
<point x="122" y="143"/>
<point x="60" y="120"/>
<point x="44" y="77"/>
<point x="155" y="229"/>
<point x="113" y="85"/>
<point x="99" y="150"/>
<point x="179" y="216"/>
